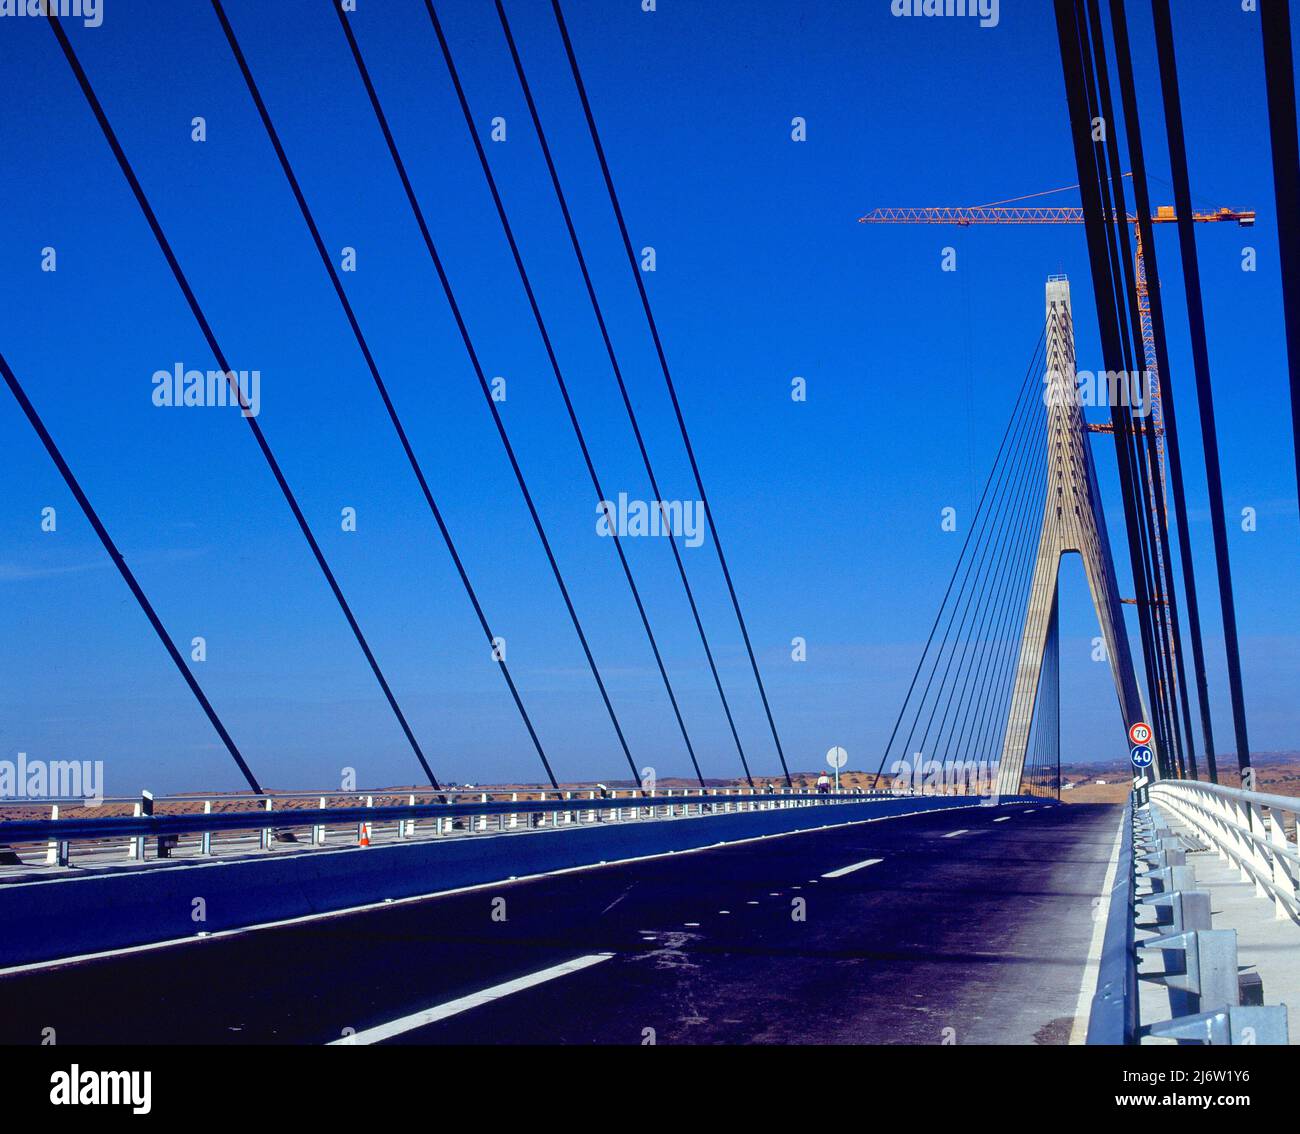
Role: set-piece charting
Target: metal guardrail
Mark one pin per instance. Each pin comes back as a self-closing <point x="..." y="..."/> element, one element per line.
<point x="1217" y="1004"/>
<point x="1114" y="1016"/>
<point x="549" y="810"/>
<point x="1248" y="829"/>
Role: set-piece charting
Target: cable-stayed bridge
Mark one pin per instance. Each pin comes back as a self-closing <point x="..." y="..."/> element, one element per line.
<point x="948" y="897"/>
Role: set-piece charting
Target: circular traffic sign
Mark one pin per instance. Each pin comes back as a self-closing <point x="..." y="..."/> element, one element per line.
<point x="1139" y="732"/>
<point x="837" y="757"/>
<point x="1141" y="756"/>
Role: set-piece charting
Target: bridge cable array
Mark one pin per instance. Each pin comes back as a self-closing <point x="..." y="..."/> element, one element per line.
<point x="969" y="672"/>
<point x="375" y="375"/>
<point x="1095" y="188"/>
<point x="1086" y="73"/>
<point x="232" y="379"/>
<point x="1128" y="95"/>
<point x="1201" y="368"/>
<point x="531" y="295"/>
<point x="417" y="210"/>
<point x="618" y="376"/>
<point x="128" y="576"/>
<point x="1043" y="768"/>
<point x="668" y="379"/>
<point x="1279" y="71"/>
<point x="354" y="324"/>
<point x="1141" y="469"/>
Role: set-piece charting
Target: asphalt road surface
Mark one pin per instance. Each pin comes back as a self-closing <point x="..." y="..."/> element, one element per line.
<point x="972" y="927"/>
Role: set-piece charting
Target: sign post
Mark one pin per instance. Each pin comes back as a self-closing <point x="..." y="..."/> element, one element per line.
<point x="837" y="758"/>
<point x="1142" y="756"/>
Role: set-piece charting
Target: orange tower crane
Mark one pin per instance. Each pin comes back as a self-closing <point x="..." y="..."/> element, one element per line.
<point x="1011" y="212"/>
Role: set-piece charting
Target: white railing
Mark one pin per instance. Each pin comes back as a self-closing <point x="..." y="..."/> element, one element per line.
<point x="1248" y="829"/>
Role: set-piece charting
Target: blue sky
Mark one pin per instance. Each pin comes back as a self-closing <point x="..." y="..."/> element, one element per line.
<point x="829" y="510"/>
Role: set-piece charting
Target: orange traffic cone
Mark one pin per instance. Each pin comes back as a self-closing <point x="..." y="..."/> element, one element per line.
<point x="363" y="835"/>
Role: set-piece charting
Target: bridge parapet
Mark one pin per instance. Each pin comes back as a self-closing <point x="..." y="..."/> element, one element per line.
<point x="1248" y="829"/>
<point x="1160" y="921"/>
<point x="200" y="826"/>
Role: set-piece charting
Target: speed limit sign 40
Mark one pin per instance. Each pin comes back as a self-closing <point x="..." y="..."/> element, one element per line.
<point x="1139" y="732"/>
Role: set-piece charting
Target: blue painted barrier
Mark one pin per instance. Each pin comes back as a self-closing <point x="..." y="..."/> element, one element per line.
<point x="68" y="916"/>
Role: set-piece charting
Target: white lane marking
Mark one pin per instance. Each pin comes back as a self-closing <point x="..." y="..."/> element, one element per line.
<point x="473" y="1000"/>
<point x="843" y="870"/>
<point x="954" y="834"/>
<point x="1001" y="818"/>
<point x="691" y="924"/>
<point x="1092" y="967"/>
<point x="612" y="904"/>
<point x="388" y="903"/>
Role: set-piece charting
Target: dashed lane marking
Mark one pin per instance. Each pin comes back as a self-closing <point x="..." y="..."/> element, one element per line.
<point x="843" y="870"/>
<point x="464" y="1003"/>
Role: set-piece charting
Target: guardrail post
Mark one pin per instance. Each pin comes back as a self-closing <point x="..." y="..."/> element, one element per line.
<point x="52" y="847"/>
<point x="1242" y="818"/>
<point x="318" y="829"/>
<point x="1223" y="813"/>
<point x="1209" y="970"/>
<point x="1258" y="852"/>
<point x="205" y="839"/>
<point x="514" y="815"/>
<point x="1283" y="878"/>
<point x="1251" y="1025"/>
<point x="135" y="848"/>
<point x="482" y="819"/>
<point x="267" y="834"/>
<point x="406" y="827"/>
<point x="1188" y="909"/>
<point x="591" y="814"/>
<point x="1210" y="824"/>
<point x="57" y="852"/>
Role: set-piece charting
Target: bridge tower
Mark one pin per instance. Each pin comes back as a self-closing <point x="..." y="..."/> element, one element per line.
<point x="1073" y="521"/>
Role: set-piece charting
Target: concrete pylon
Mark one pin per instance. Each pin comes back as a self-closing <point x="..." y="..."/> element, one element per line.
<point x="1073" y="521"/>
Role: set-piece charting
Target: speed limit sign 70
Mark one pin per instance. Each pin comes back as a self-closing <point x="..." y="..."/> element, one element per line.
<point x="1139" y="732"/>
